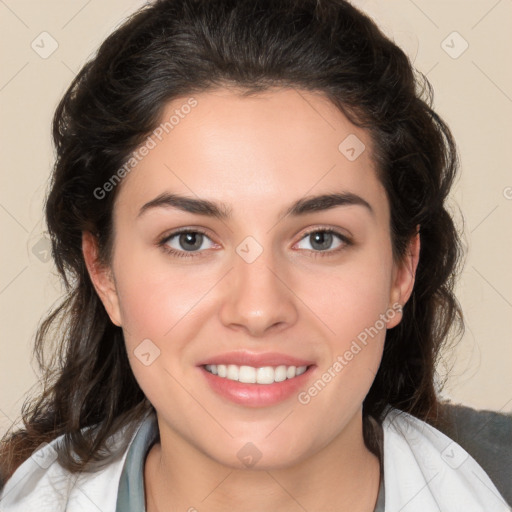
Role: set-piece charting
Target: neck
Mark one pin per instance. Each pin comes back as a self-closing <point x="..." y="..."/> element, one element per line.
<point x="344" y="475"/>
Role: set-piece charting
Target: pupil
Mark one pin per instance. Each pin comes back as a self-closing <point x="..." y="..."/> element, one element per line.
<point x="324" y="239"/>
<point x="191" y="238"/>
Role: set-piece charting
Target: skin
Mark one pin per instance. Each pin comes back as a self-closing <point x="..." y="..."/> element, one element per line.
<point x="257" y="154"/>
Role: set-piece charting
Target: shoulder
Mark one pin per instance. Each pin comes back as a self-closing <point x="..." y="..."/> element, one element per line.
<point x="486" y="436"/>
<point x="457" y="450"/>
<point x="42" y="484"/>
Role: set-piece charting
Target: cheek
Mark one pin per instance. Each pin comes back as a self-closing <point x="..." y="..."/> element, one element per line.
<point x="351" y="297"/>
<point x="159" y="305"/>
<point x="351" y="306"/>
<point x="154" y="295"/>
<point x="358" y="331"/>
<point x="352" y="301"/>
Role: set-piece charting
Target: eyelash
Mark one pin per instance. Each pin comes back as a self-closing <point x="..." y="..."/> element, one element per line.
<point x="191" y="254"/>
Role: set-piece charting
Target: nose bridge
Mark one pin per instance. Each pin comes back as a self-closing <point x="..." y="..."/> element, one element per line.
<point x="257" y="297"/>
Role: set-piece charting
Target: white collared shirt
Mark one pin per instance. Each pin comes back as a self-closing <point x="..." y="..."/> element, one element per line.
<point x="424" y="471"/>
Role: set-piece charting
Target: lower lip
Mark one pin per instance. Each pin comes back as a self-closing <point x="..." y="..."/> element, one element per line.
<point x="256" y="395"/>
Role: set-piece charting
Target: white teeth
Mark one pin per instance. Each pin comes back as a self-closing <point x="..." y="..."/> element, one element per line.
<point x="280" y="373"/>
<point x="232" y="372"/>
<point x="265" y="375"/>
<point x="251" y="375"/>
<point x="300" y="370"/>
<point x="247" y="374"/>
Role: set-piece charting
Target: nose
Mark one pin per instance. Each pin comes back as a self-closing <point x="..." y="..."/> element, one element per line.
<point x="257" y="297"/>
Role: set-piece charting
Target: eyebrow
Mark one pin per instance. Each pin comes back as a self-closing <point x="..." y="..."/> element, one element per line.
<point x="222" y="211"/>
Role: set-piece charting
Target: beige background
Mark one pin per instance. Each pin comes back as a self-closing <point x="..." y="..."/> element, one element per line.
<point x="473" y="93"/>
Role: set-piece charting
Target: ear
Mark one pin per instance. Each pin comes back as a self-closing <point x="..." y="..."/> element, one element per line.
<point x="403" y="278"/>
<point x="101" y="277"/>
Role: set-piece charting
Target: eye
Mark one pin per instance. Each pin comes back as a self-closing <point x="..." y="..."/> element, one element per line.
<point x="321" y="240"/>
<point x="188" y="243"/>
<point x="182" y="242"/>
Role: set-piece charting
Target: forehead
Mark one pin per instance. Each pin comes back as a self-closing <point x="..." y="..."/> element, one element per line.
<point x="252" y="151"/>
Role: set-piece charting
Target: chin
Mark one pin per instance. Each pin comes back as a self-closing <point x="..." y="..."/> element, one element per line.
<point x="260" y="454"/>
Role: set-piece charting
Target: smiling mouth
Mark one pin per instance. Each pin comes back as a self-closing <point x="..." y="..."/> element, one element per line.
<point x="252" y="375"/>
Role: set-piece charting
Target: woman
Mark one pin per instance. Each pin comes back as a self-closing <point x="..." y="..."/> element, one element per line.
<point x="247" y="208"/>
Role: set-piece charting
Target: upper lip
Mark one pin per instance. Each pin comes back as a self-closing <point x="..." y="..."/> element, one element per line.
<point x="256" y="360"/>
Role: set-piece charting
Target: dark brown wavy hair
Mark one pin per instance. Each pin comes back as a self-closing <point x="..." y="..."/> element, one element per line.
<point x="174" y="48"/>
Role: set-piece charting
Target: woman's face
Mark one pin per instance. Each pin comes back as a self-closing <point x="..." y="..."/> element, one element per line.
<point x="263" y="276"/>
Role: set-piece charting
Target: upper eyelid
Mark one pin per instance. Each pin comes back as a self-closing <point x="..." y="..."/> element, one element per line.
<point x="336" y="231"/>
